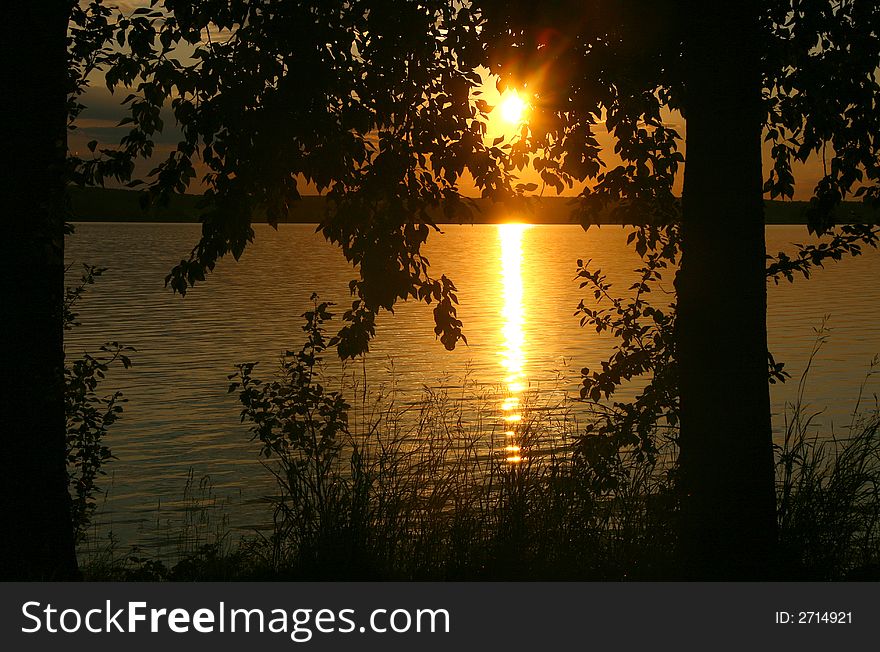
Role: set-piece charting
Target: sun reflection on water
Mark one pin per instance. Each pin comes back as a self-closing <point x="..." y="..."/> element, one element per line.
<point x="513" y="334"/>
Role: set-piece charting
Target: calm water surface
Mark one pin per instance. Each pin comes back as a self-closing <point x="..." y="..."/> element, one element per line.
<point x="518" y="298"/>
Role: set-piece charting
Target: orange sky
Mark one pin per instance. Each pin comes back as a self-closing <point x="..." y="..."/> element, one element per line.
<point x="100" y="119"/>
<point x="99" y="122"/>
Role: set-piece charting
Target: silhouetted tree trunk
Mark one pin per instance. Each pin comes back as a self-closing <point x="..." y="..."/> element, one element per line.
<point x="728" y="526"/>
<point x="37" y="541"/>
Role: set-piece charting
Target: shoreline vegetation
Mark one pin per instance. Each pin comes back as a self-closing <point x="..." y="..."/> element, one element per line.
<point x="414" y="493"/>
<point x="368" y="488"/>
<point x="120" y="205"/>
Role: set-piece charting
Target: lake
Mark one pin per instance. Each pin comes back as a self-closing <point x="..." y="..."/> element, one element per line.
<point x="518" y="298"/>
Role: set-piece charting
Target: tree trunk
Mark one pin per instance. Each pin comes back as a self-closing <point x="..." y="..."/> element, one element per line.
<point x="728" y="528"/>
<point x="37" y="541"/>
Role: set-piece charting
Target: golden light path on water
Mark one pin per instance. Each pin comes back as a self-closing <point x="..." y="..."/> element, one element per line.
<point x="513" y="335"/>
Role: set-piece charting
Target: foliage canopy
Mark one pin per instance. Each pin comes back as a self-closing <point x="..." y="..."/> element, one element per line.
<point x="378" y="104"/>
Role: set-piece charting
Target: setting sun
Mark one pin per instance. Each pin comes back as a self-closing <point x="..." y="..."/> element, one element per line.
<point x="512" y="108"/>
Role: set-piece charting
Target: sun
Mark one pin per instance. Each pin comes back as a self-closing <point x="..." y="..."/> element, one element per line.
<point x="512" y="108"/>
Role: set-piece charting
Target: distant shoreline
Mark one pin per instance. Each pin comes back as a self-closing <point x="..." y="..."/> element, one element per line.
<point x="119" y="205"/>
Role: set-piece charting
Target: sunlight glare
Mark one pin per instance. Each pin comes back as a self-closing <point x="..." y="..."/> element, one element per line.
<point x="512" y="108"/>
<point x="513" y="331"/>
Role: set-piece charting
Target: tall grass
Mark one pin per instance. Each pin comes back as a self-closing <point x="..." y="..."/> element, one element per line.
<point x="186" y="539"/>
<point x="426" y="490"/>
<point x="372" y="486"/>
<point x="828" y="492"/>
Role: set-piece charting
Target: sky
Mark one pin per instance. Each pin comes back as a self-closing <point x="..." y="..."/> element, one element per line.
<point x="99" y="122"/>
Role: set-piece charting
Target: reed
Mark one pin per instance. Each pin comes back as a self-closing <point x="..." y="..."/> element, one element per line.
<point x="372" y="486"/>
<point x="828" y="491"/>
